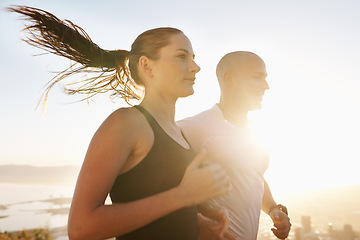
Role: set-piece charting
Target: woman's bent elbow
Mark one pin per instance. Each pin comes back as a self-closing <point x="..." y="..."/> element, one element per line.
<point x="77" y="230"/>
<point x="74" y="233"/>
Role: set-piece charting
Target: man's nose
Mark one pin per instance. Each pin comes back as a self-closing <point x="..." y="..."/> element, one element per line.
<point x="266" y="85"/>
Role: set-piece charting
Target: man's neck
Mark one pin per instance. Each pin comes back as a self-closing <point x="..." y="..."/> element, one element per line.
<point x="233" y="114"/>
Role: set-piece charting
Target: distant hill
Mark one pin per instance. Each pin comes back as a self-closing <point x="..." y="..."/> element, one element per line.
<point x="25" y="174"/>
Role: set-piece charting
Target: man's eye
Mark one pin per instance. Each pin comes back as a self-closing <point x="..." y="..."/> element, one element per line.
<point x="258" y="77"/>
<point x="182" y="56"/>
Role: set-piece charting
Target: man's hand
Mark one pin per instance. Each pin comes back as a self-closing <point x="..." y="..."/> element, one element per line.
<point x="281" y="222"/>
<point x="208" y="229"/>
<point x="213" y="223"/>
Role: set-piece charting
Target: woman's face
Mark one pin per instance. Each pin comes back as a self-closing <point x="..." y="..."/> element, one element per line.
<point x="174" y="71"/>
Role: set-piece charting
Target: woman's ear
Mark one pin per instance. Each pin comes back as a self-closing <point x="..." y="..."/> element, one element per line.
<point x="145" y="66"/>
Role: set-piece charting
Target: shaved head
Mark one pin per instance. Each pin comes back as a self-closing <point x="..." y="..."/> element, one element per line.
<point x="242" y="79"/>
<point x="235" y="62"/>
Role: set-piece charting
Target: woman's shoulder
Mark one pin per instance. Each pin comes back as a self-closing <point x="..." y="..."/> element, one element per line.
<point x="126" y="119"/>
<point x="124" y="125"/>
<point x="123" y="114"/>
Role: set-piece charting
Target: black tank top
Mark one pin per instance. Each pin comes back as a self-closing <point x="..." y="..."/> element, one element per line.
<point x="162" y="169"/>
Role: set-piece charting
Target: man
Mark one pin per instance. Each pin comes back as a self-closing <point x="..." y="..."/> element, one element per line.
<point x="225" y="132"/>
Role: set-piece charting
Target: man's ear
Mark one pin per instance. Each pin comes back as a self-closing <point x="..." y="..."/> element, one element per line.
<point x="228" y="79"/>
<point x="145" y="66"/>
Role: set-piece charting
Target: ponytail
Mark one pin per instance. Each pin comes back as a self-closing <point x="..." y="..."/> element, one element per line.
<point x="66" y="39"/>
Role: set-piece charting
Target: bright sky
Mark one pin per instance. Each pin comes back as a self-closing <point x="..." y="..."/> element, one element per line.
<point x="310" y="117"/>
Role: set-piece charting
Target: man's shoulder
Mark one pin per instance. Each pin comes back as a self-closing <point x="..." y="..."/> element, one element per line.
<point x="197" y="128"/>
<point x="200" y="119"/>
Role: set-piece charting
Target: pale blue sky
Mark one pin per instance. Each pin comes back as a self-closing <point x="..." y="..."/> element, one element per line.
<point x="310" y="115"/>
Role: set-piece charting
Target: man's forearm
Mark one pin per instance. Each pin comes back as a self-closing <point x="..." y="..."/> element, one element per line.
<point x="267" y="200"/>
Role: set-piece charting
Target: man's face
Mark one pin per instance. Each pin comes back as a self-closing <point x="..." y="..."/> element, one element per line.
<point x="250" y="82"/>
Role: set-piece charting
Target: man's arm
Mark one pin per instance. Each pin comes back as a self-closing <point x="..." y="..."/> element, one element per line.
<point x="268" y="200"/>
<point x="277" y="212"/>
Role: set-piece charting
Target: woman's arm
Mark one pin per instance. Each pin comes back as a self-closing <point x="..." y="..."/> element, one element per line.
<point x="117" y="141"/>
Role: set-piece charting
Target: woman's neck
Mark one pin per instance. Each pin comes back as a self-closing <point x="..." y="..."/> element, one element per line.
<point x="162" y="109"/>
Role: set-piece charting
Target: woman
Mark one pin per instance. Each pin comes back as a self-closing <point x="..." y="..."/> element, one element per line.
<point x="138" y="154"/>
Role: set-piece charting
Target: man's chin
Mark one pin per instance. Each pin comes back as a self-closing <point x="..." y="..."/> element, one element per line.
<point x="255" y="107"/>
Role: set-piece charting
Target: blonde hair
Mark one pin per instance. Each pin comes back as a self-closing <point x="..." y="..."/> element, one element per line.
<point x="115" y="71"/>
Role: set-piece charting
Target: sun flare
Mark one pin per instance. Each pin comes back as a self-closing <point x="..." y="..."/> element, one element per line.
<point x="307" y="150"/>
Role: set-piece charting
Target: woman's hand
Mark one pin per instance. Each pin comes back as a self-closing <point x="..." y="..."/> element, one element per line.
<point x="201" y="183"/>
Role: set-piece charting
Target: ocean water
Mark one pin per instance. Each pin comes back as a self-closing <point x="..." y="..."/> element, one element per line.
<point x="27" y="206"/>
